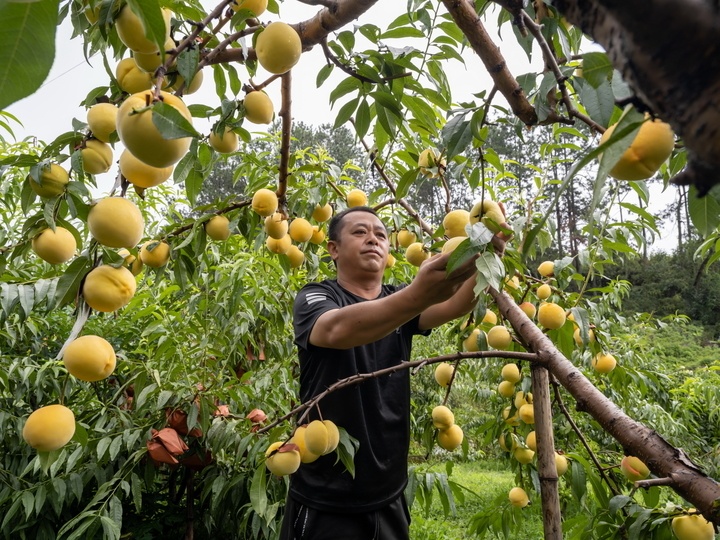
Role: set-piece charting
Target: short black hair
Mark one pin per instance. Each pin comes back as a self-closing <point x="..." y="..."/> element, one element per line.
<point x="335" y="226"/>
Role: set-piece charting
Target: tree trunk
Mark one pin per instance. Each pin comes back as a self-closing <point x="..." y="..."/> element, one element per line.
<point x="664" y="460"/>
<point x="678" y="219"/>
<point x="668" y="52"/>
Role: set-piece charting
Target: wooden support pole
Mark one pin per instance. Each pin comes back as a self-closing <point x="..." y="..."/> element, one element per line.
<point x="552" y="519"/>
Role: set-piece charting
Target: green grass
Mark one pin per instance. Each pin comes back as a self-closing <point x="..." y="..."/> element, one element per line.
<point x="486" y="485"/>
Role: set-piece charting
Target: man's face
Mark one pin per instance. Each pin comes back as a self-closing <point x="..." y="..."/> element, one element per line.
<point x="363" y="245"/>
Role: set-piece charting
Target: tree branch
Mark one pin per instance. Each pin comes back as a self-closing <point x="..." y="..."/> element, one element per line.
<point x="464" y="15"/>
<point x="559" y="400"/>
<point x="393" y="189"/>
<point x="286" y="116"/>
<point x="361" y="377"/>
<point x="552" y="63"/>
<point x="660" y="62"/>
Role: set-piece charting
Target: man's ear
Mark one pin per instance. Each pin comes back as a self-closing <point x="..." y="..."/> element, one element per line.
<point x="332" y="249"/>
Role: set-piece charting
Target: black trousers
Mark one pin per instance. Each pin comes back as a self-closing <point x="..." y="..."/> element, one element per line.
<point x="391" y="522"/>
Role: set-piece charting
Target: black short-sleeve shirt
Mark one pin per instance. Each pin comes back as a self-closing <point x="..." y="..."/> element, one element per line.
<point x="376" y="411"/>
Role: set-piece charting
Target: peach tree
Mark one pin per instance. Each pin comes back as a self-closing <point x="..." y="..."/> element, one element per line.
<point x="194" y="298"/>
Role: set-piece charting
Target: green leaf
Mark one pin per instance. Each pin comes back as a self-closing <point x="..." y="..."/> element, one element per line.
<point x="599" y="101"/>
<point x="111" y="529"/>
<point x="171" y="123"/>
<point x="596" y="68"/>
<point x="193" y="185"/>
<point x="27" y="47"/>
<point x="491" y="268"/>
<point x="386" y="121"/>
<point x="464" y="251"/>
<point x="578" y="483"/>
<point x="345" y="87"/>
<point x="388" y="102"/>
<point x="10" y="514"/>
<point x="69" y="283"/>
<point x="403" y="32"/>
<point x="258" y="490"/>
<point x="187" y="63"/>
<point x="456" y="135"/>
<point x="29" y="503"/>
<point x="618" y="502"/>
<point x="362" y="119"/>
<point x="704" y="211"/>
<point x="345" y="112"/>
<point x="346" y="451"/>
<point x="163" y="398"/>
<point x="323" y="74"/>
<point x="102" y="447"/>
<point x="651" y="496"/>
<point x="405" y="182"/>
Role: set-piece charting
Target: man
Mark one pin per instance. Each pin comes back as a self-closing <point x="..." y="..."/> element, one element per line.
<point x="356" y="324"/>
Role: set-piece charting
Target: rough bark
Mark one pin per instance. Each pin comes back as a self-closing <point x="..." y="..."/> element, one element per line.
<point x="663" y="459"/>
<point x="464" y="15"/>
<point x="668" y="51"/>
<point x="329" y="19"/>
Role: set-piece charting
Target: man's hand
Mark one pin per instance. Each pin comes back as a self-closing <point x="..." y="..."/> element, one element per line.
<point x="433" y="284"/>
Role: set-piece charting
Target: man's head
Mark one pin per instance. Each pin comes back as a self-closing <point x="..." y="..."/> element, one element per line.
<point x="336" y="223"/>
<point x="358" y="242"/>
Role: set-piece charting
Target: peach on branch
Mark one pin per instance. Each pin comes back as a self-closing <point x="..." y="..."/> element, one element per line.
<point x="154" y="253"/>
<point x="49" y="428"/>
<point x="322" y="213"/>
<point x="52" y="181"/>
<point x="140" y="135"/>
<point x="258" y="107"/>
<point x="278" y="47"/>
<point x="226" y="143"/>
<point x="107" y="288"/>
<point x="356" y="197"/>
<point x="141" y="174"/>
<point x="442" y="417"/>
<point x="282" y="459"/>
<point x="56" y="246"/>
<point x="89" y="358"/>
<point x="116" y="222"/>
<point x="97" y="157"/>
<point x="218" y="228"/>
<point x="132" y="32"/>
<point x="450" y="438"/>
<point x="102" y="120"/>
<point x="634" y="469"/>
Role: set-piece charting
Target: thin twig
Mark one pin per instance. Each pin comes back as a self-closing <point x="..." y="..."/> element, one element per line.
<point x="361" y="377"/>
<point x="583" y="440"/>
<point x="650" y="482"/>
<point x="352" y="72"/>
<point x="189" y="39"/>
<point x="225" y="210"/>
<point x="286" y="116"/>
<point x="552" y="64"/>
<point x="393" y="189"/>
<point x="265" y="82"/>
